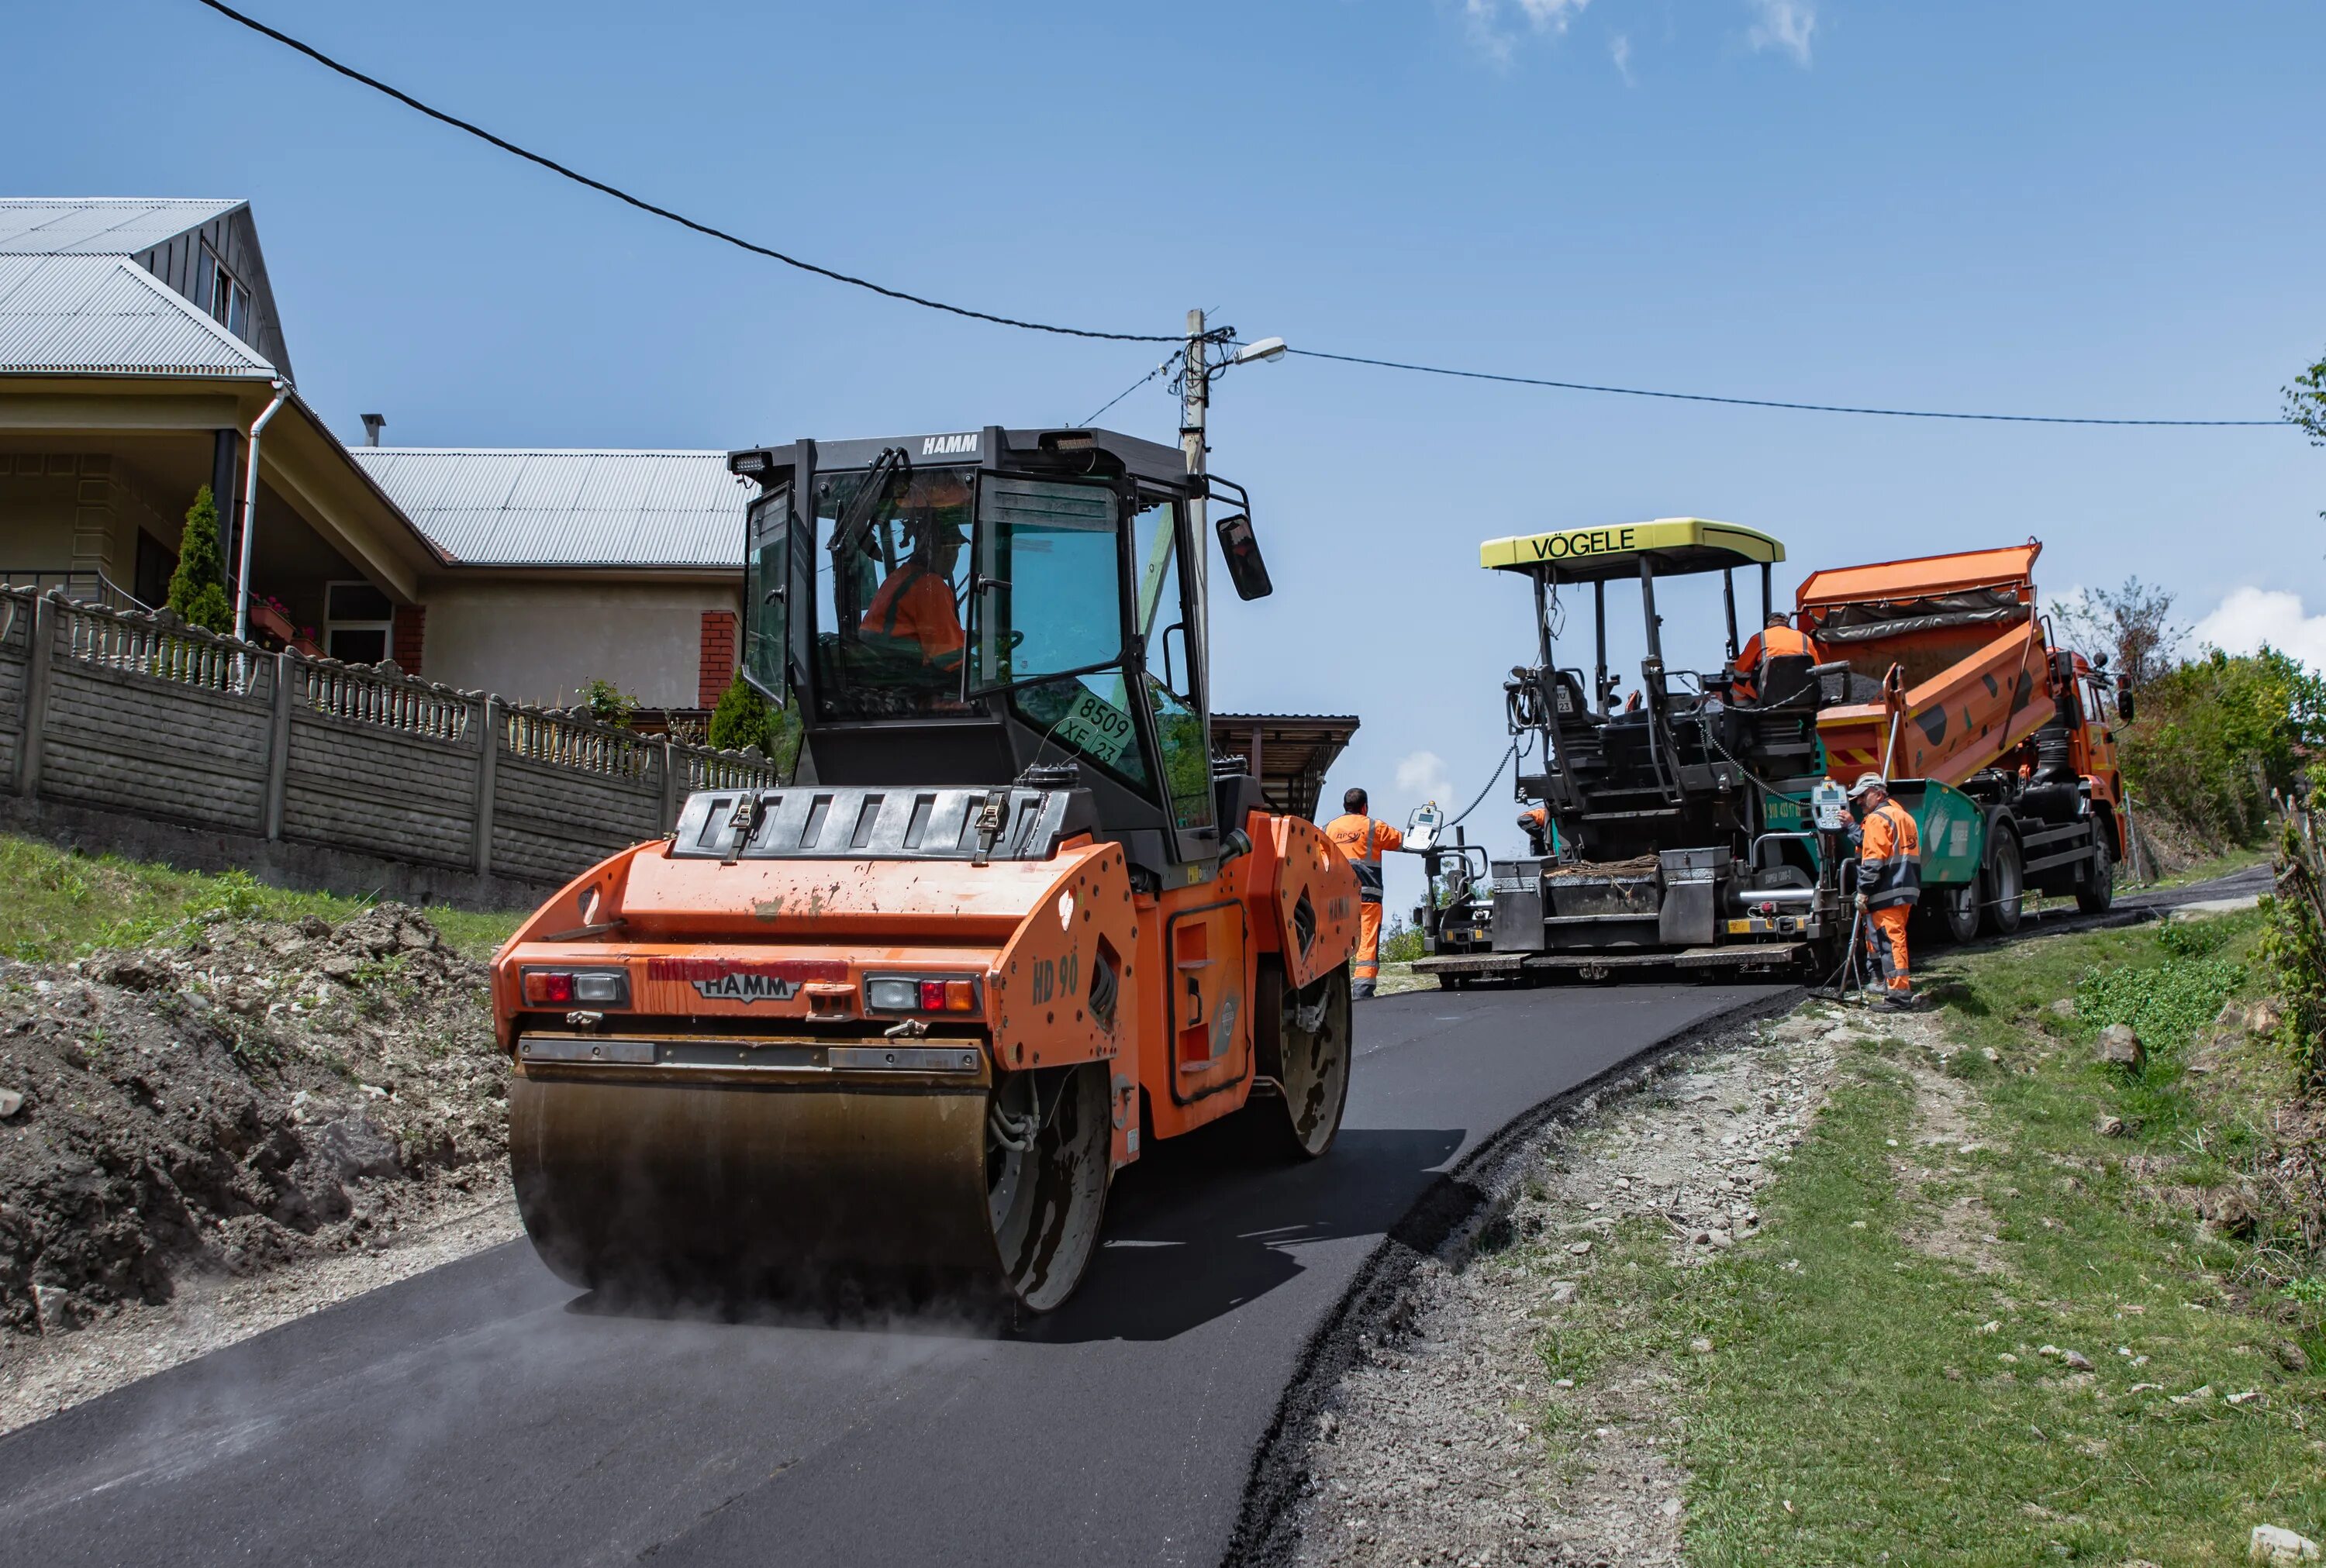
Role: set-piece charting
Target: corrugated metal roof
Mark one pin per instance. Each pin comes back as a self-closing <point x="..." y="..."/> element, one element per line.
<point x="100" y="225"/>
<point x="82" y="313"/>
<point x="490" y="508"/>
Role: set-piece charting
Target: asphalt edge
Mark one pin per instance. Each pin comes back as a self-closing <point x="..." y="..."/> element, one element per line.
<point x="1456" y="1207"/>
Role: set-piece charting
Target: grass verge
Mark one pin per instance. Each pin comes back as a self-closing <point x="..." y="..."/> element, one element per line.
<point x="2017" y="1345"/>
<point x="57" y="905"/>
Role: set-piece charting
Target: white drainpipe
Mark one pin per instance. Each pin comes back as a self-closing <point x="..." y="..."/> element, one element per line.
<point x="250" y="516"/>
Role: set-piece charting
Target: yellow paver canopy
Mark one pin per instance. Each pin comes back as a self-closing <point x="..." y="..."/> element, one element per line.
<point x="1678" y="545"/>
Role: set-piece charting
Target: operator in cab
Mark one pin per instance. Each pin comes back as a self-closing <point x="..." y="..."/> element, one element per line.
<point x="1363" y="840"/>
<point x="1779" y="639"/>
<point x="1889" y="881"/>
<point x="914" y="612"/>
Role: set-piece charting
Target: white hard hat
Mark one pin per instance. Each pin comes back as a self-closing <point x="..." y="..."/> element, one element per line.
<point x="1867" y="783"/>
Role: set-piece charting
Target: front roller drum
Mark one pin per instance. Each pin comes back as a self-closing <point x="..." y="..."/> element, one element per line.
<point x="833" y="1193"/>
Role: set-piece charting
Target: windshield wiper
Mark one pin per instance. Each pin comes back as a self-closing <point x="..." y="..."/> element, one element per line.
<point x="856" y="518"/>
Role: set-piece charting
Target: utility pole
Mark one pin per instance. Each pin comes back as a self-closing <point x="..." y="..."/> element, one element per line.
<point x="1194" y="397"/>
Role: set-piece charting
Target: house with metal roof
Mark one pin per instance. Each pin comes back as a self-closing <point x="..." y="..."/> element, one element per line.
<point x="142" y="356"/>
<point x="561" y="566"/>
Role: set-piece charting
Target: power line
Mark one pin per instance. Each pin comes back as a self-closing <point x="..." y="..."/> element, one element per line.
<point x="710" y="231"/>
<point x="619" y="194"/>
<point x="1134" y="387"/>
<point x="1759" y="402"/>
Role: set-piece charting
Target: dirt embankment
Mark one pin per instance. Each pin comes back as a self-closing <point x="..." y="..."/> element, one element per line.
<point x="265" y="1094"/>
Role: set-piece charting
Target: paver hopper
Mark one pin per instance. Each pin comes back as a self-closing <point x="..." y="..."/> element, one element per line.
<point x="893" y="1028"/>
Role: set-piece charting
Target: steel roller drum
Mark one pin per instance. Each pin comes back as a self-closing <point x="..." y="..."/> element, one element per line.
<point x="826" y="1193"/>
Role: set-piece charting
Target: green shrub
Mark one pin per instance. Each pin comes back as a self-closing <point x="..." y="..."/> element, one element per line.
<point x="2216" y="735"/>
<point x="198" y="587"/>
<point x="2293" y="945"/>
<point x="1400" y="944"/>
<point x="742" y="717"/>
<point x="609" y="703"/>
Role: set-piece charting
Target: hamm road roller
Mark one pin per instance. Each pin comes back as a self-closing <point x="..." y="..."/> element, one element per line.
<point x="892" y="1028"/>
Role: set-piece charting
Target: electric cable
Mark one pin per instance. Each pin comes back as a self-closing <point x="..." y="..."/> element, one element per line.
<point x="906" y="297"/>
<point x="619" y="194"/>
<point x="1473" y="805"/>
<point x="1134" y="387"/>
<point x="1748" y="402"/>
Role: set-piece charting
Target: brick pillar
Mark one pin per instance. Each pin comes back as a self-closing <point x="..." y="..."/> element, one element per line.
<point x="718" y="658"/>
<point x="410" y="637"/>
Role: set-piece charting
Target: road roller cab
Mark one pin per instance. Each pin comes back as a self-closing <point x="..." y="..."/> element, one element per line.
<point x="901" y="1020"/>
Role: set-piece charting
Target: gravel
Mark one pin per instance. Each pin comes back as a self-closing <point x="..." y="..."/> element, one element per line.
<point x="1449" y="1441"/>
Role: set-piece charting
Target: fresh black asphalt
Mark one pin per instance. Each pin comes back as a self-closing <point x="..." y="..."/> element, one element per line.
<point x="485" y="1413"/>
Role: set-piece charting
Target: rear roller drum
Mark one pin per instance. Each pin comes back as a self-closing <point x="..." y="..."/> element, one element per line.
<point x="1312" y="1064"/>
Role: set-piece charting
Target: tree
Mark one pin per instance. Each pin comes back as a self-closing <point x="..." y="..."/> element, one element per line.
<point x="198" y="587"/>
<point x="2133" y="625"/>
<point x="2305" y="403"/>
<point x="745" y="718"/>
<point x="2217" y="735"/>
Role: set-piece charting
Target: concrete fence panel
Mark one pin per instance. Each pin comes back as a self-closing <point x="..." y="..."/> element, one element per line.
<point x="145" y="715"/>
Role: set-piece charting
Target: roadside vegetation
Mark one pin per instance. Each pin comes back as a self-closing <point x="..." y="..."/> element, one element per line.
<point x="57" y="905"/>
<point x="2009" y="1303"/>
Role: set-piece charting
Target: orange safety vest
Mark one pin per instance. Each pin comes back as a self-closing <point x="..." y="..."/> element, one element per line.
<point x="1777" y="642"/>
<point x="915" y="606"/>
<point x="1363" y="840"/>
<point x="1890" y="856"/>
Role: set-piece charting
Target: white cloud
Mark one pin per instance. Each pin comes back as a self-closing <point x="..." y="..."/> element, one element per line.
<point x="1421" y="777"/>
<point x="1497" y="40"/>
<point x="1785" y="24"/>
<point x="1619" y="50"/>
<point x="2250" y="616"/>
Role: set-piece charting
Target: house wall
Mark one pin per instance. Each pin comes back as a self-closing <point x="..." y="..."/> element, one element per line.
<point x="542" y="642"/>
<point x="75" y="512"/>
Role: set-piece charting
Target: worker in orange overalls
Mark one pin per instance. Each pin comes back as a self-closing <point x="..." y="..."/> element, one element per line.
<point x="1535" y="822"/>
<point x="914" y="610"/>
<point x="1363" y="839"/>
<point x="1889" y="881"/>
<point x="1774" y="641"/>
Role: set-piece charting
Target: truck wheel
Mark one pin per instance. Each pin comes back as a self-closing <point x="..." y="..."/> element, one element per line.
<point x="1957" y="909"/>
<point x="2097" y="891"/>
<point x="2002" y="885"/>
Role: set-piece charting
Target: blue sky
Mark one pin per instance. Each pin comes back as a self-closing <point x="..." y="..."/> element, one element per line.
<point x="2083" y="209"/>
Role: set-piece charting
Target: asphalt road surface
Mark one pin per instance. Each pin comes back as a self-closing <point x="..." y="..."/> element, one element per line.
<point x="486" y="1413"/>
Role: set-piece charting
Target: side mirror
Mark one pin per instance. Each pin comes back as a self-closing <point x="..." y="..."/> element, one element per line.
<point x="1241" y="548"/>
<point x="2124" y="704"/>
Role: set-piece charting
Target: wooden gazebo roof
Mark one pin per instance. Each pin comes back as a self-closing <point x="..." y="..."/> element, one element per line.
<point x="1290" y="752"/>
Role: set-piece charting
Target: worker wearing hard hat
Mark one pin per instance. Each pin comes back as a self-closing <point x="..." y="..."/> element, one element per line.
<point x="1363" y="839"/>
<point x="1889" y="881"/>
<point x="914" y="610"/>
<point x="1776" y="640"/>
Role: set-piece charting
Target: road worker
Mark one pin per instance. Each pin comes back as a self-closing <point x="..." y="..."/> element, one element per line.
<point x="1889" y="881"/>
<point x="1779" y="639"/>
<point x="1363" y="839"/>
<point x="914" y="612"/>
<point x="1535" y="822"/>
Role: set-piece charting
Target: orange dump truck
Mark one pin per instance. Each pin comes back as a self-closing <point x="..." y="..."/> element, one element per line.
<point x="2000" y="741"/>
<point x="896" y="1027"/>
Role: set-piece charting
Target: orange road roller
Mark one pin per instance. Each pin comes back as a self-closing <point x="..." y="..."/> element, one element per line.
<point x="893" y="1027"/>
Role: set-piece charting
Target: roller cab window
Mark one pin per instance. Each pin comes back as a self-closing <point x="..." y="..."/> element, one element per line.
<point x="891" y="578"/>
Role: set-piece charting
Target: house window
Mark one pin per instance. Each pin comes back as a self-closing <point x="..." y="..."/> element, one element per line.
<point x="357" y="622"/>
<point x="229" y="301"/>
